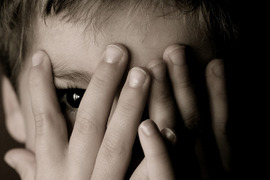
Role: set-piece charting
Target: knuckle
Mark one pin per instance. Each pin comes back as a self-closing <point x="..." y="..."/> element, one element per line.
<point x="103" y="79"/>
<point x="191" y="121"/>
<point x="45" y="121"/>
<point x="100" y="81"/>
<point x="85" y="123"/>
<point x="128" y="106"/>
<point x="113" y="148"/>
<point x="131" y="100"/>
<point x="182" y="79"/>
<point x="163" y="96"/>
<point x="185" y="83"/>
<point x="42" y="120"/>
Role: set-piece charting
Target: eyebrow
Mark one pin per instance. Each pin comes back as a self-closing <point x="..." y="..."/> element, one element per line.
<point x="72" y="78"/>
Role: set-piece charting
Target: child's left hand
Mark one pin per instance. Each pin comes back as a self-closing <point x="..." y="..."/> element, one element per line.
<point x="203" y="138"/>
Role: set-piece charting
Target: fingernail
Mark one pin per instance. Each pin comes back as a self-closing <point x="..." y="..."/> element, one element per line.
<point x="148" y="127"/>
<point x="37" y="58"/>
<point x="159" y="71"/>
<point x="170" y="135"/>
<point x="137" y="77"/>
<point x="113" y="54"/>
<point x="177" y="55"/>
<point x="218" y="69"/>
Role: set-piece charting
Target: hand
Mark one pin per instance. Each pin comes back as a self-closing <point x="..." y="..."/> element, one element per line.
<point x="94" y="150"/>
<point x="194" y="112"/>
<point x="203" y="139"/>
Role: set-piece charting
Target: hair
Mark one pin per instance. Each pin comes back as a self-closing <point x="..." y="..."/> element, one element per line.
<point x="17" y="20"/>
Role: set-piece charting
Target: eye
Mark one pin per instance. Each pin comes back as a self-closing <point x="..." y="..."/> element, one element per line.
<point x="71" y="98"/>
<point x="74" y="97"/>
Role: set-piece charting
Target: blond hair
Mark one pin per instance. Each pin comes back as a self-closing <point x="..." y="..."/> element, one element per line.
<point x="17" y="19"/>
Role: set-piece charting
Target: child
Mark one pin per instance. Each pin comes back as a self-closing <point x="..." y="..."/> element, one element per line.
<point x="108" y="61"/>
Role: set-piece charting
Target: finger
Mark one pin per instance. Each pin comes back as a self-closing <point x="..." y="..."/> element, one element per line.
<point x="116" y="149"/>
<point x="50" y="126"/>
<point x="23" y="161"/>
<point x="162" y="107"/>
<point x="94" y="111"/>
<point x="157" y="157"/>
<point x="13" y="114"/>
<point x="141" y="171"/>
<point x="175" y="56"/>
<point x="219" y="107"/>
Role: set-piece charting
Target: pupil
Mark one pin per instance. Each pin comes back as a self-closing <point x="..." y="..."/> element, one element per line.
<point x="74" y="98"/>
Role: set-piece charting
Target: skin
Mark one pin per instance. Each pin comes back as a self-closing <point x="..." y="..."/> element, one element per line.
<point x="97" y="150"/>
<point x="85" y="49"/>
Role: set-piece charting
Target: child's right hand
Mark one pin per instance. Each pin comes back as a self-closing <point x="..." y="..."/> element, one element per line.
<point x="95" y="150"/>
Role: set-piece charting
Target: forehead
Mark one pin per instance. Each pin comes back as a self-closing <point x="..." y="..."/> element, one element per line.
<point x="80" y="46"/>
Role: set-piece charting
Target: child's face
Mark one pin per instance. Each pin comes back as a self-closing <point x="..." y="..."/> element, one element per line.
<point x="73" y="49"/>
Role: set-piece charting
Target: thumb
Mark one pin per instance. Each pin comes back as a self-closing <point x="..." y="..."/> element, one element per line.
<point x="23" y="161"/>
